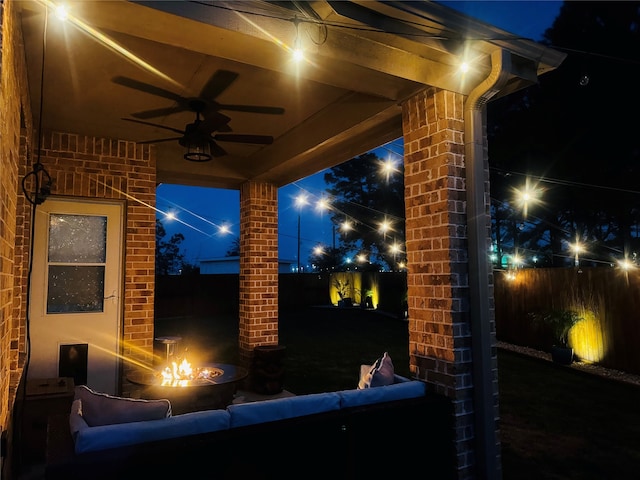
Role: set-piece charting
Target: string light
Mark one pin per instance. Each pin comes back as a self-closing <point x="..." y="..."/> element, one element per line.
<point x="298" y="54"/>
<point x="626" y="264"/>
<point x="61" y="12"/>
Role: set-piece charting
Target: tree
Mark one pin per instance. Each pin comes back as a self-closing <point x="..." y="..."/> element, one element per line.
<point x="573" y="133"/>
<point x="326" y="261"/>
<point x="234" y="250"/>
<point x="169" y="260"/>
<point x="369" y="198"/>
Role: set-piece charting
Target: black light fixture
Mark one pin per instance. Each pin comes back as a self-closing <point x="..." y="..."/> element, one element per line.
<point x="196" y="140"/>
<point x="197" y="151"/>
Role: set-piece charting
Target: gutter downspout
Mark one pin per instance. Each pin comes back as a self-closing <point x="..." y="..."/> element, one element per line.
<point x="479" y="293"/>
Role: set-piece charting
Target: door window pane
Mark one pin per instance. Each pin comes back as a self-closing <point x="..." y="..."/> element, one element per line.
<point x="76" y="263"/>
<point x="77" y="238"/>
<point x="75" y="289"/>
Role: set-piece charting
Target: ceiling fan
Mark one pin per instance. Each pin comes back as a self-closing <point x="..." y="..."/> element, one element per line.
<point x="198" y="138"/>
<point x="209" y="108"/>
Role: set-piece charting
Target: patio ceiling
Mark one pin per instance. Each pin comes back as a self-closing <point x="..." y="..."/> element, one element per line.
<point x="363" y="59"/>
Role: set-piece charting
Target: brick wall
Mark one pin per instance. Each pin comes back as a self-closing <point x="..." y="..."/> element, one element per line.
<point x="258" y="267"/>
<point x="99" y="168"/>
<point x="80" y="166"/>
<point x="15" y="128"/>
<point x="436" y="242"/>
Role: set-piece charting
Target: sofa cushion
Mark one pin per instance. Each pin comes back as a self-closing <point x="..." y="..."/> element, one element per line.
<point x="123" y="434"/>
<point x="271" y="410"/>
<point x="379" y="374"/>
<point x="386" y="393"/>
<point x="102" y="409"/>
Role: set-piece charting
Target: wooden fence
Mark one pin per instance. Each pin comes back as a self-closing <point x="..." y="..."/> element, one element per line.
<point x="210" y="295"/>
<point x="608" y="300"/>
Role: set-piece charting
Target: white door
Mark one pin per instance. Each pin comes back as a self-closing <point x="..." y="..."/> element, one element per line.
<point x="76" y="284"/>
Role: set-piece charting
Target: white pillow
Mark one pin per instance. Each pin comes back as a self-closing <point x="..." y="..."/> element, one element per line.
<point x="102" y="409"/>
<point x="76" y="422"/>
<point x="379" y="374"/>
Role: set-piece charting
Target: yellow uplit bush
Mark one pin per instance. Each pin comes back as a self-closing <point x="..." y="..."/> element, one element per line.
<point x="356" y="286"/>
<point x="587" y="339"/>
<point x="345" y="285"/>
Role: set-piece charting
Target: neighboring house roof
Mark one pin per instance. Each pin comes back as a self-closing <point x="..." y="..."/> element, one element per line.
<point x="143" y="60"/>
<point x="232" y="265"/>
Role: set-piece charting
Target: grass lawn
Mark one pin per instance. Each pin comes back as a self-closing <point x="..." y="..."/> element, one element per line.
<point x="556" y="422"/>
<point x="559" y="423"/>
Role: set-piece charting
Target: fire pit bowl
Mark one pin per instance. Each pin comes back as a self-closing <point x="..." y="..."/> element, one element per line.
<point x="207" y="387"/>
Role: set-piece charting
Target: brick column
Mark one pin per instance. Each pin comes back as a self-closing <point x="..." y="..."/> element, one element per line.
<point x="258" y="267"/>
<point x="436" y="242"/>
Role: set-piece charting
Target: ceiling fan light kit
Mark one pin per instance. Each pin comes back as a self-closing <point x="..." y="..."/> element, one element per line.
<point x="197" y="153"/>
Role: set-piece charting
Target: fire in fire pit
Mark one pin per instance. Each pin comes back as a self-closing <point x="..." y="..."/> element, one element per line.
<point x="183" y="375"/>
<point x="191" y="388"/>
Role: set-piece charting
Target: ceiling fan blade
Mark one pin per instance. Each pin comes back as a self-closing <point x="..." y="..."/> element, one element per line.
<point x="239" y="138"/>
<point x="222" y="128"/>
<point x="160" y="112"/>
<point x="216" y="150"/>
<point x="171" y="129"/>
<point x="217" y="84"/>
<point x="159" y="140"/>
<point x="253" y="109"/>
<point x="147" y="88"/>
<point x="215" y="122"/>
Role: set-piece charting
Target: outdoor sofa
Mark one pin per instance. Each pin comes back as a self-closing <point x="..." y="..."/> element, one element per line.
<point x="397" y="426"/>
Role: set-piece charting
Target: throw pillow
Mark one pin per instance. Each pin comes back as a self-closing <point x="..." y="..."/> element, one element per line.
<point x="102" y="409"/>
<point x="379" y="374"/>
<point x="76" y="422"/>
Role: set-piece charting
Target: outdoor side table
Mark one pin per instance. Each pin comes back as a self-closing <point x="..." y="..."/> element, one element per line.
<point x="43" y="397"/>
